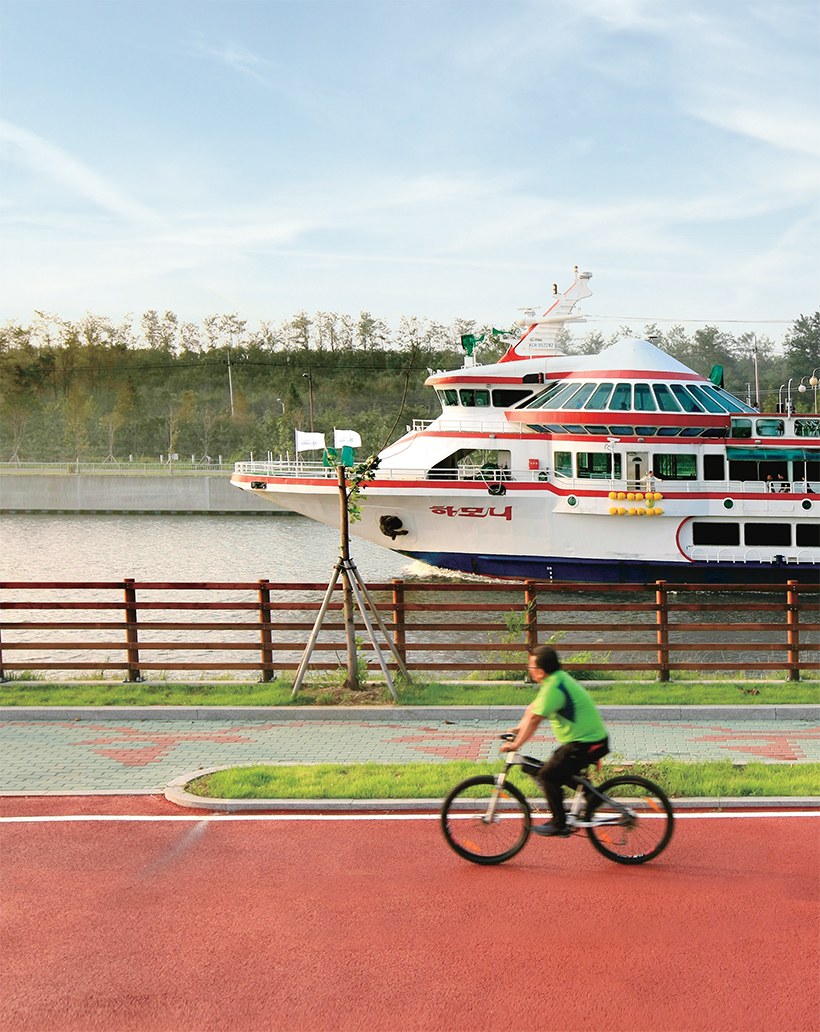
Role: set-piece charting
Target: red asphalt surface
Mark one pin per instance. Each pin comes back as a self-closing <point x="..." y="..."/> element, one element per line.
<point x="220" y="925"/>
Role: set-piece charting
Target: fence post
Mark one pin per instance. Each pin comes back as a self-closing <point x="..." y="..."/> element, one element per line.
<point x="399" y="639"/>
<point x="2" y="671"/>
<point x="531" y="615"/>
<point x="793" y="632"/>
<point x="662" y="625"/>
<point x="264" y="630"/>
<point x="131" y="629"/>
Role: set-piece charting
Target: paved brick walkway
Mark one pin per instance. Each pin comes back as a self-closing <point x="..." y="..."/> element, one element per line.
<point x="39" y="756"/>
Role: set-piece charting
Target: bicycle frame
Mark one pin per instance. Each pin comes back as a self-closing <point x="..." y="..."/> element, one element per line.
<point x="584" y="789"/>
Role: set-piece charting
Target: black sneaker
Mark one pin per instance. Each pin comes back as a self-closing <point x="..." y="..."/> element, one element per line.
<point x="549" y="830"/>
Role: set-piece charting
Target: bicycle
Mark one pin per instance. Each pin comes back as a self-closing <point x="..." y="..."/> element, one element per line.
<point x="487" y="819"/>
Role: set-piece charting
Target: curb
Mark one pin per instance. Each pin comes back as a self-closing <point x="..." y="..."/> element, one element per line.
<point x="287" y="714"/>
<point x="175" y="793"/>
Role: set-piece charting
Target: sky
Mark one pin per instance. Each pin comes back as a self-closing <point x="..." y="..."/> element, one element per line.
<point x="408" y="158"/>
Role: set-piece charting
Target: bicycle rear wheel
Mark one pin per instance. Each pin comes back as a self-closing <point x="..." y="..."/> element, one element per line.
<point x="634" y="839"/>
<point x="477" y="837"/>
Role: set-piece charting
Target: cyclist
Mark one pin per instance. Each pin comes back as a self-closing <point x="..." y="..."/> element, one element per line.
<point x="576" y="723"/>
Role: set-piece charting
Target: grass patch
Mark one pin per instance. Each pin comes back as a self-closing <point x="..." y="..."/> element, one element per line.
<point x="434" y="780"/>
<point x="278" y="693"/>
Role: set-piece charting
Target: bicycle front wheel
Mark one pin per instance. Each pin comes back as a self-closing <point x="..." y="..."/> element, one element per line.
<point x="636" y="838"/>
<point x="480" y="831"/>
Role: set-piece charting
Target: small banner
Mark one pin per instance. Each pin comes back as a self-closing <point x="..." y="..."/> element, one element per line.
<point x="346" y="439"/>
<point x="309" y="442"/>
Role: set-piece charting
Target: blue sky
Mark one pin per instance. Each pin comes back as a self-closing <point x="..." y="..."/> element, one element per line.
<point x="436" y="159"/>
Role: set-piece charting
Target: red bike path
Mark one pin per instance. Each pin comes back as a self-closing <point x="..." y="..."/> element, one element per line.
<point x="247" y="924"/>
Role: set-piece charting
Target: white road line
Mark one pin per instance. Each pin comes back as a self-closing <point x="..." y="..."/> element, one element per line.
<point x="137" y="818"/>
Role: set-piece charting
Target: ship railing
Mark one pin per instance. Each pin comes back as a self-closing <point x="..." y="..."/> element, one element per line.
<point x="752" y="555"/>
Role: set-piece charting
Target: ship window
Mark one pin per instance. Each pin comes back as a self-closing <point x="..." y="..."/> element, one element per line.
<point x="577" y="400"/>
<point x="666" y="403"/>
<point x="474" y="398"/>
<point x="691" y="431"/>
<point x="716" y="431"/>
<point x="622" y="431"/>
<point x="562" y="461"/>
<point x="668" y="431"/>
<point x="808" y="535"/>
<point x="646" y="431"/>
<point x="644" y="402"/>
<point x="741" y="428"/>
<point x="621" y="398"/>
<point x="600" y="397"/>
<point x="448" y="397"/>
<point x="770" y="428"/>
<point x="708" y="403"/>
<point x="715" y="533"/>
<point x="772" y="534"/>
<point x="688" y="403"/>
<point x="597" y="465"/>
<point x="595" y="429"/>
<point x="714" y="468"/>
<point x="574" y="428"/>
<point x="557" y="400"/>
<point x="807" y="427"/>
<point x="507" y="398"/>
<point x="675" y="467"/>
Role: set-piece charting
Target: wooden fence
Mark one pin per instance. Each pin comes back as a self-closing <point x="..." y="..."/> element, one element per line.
<point x="449" y="628"/>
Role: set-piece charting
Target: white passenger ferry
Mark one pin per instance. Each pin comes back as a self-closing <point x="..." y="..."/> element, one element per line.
<point x="624" y="466"/>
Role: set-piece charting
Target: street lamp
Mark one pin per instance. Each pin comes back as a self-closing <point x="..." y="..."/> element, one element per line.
<point x="813" y="382"/>
<point x="282" y="404"/>
<point x="780" y="390"/>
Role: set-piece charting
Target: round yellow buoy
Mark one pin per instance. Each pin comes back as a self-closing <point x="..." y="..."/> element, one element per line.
<point x="613" y="512"/>
<point x="632" y="512"/>
<point x="638" y="496"/>
<point x="659" y="512"/>
<point x="658" y="496"/>
<point x="621" y="494"/>
<point x="631" y="497"/>
<point x="622" y="512"/>
<point x="613" y="494"/>
<point x="642" y="512"/>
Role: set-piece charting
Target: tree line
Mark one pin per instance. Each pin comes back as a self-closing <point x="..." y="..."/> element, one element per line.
<point x="96" y="390"/>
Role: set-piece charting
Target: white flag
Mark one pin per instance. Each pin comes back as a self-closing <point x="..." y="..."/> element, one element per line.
<point x="346" y="439"/>
<point x="309" y="442"/>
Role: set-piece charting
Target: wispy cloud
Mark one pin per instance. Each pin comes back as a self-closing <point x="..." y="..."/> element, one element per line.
<point x="236" y="58"/>
<point x="52" y="162"/>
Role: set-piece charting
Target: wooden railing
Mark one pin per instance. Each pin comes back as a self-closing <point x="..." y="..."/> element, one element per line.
<point x="449" y="627"/>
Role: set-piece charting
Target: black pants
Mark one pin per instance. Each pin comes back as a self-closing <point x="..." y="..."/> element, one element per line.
<point x="565" y="763"/>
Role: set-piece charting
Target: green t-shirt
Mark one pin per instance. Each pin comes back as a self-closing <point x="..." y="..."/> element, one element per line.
<point x="571" y="711"/>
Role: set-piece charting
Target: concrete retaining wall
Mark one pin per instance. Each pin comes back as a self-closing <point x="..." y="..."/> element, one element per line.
<point x="134" y="494"/>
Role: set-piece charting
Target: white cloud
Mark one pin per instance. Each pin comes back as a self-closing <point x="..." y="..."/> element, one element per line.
<point x="60" y="167"/>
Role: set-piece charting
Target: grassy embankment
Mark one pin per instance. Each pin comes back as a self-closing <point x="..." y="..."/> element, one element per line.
<point x="434" y="780"/>
<point x="278" y="693"/>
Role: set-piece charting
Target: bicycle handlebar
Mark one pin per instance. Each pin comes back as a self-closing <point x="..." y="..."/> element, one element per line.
<point x="507" y="737"/>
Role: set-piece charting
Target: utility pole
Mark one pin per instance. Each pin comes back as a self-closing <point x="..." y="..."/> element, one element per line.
<point x="230" y="381"/>
<point x="310" y="395"/>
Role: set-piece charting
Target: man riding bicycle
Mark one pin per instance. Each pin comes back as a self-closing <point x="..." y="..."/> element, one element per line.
<point x="576" y="723"/>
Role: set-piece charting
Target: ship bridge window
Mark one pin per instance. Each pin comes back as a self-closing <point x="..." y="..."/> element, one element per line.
<point x="594" y="428"/>
<point x="688" y="403"/>
<point x="473" y="398"/>
<point x="732" y="403"/>
<point x="622" y="431"/>
<point x="692" y="431"/>
<point x="741" y="428"/>
<point x="578" y="399"/>
<point x="448" y="396"/>
<point x="559" y="399"/>
<point x="710" y="404"/>
<point x="770" y="427"/>
<point x="771" y="534"/>
<point x="549" y="391"/>
<point x="600" y="397"/>
<point x="726" y="402"/>
<point x="507" y="397"/>
<point x="562" y="463"/>
<point x="621" y="398"/>
<point x="574" y="428"/>
<point x="675" y="467"/>
<point x="666" y="403"/>
<point x="644" y="402"/>
<point x="646" y="431"/>
<point x="807" y="427"/>
<point x="668" y="431"/>
<point x="716" y="431"/>
<point x="715" y="533"/>
<point x="597" y="465"/>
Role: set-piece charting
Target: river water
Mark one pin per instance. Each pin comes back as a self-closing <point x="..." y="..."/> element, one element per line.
<point x="282" y="549"/>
